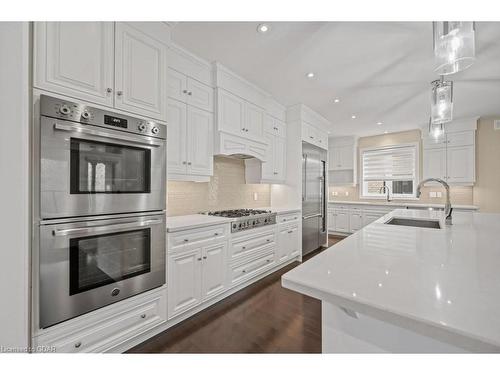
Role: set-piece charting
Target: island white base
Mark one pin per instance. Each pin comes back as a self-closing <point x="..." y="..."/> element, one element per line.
<point x="346" y="331"/>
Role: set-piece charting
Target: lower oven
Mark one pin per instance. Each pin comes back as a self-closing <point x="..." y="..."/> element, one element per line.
<point x="89" y="264"/>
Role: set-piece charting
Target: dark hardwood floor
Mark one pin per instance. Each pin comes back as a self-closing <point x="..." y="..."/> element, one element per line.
<point x="262" y="318"/>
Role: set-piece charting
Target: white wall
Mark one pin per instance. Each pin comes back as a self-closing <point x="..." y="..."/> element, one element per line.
<point x="14" y="193"/>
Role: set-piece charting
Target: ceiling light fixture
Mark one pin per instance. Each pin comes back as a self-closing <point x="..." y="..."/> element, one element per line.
<point x="441" y="101"/>
<point x="454" y="46"/>
<point x="385" y="132"/>
<point x="263" y="28"/>
<point x="379" y="123"/>
<point x="310" y="75"/>
<point x="353" y="116"/>
<point x="435" y="130"/>
<point x="336" y="100"/>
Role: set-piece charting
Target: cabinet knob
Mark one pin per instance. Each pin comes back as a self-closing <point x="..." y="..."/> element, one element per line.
<point x="205" y="257"/>
<point x="290" y="231"/>
<point x="119" y="93"/>
<point x="184" y="162"/>
<point x="216" y="234"/>
<point x="143" y="316"/>
<point x="243" y="271"/>
<point x="189" y="163"/>
<point x="268" y="260"/>
<point x="275" y="172"/>
<point x="243" y="247"/>
<point x="186" y="240"/>
<point x="109" y="90"/>
<point x="199" y="259"/>
<point x="268" y="240"/>
<point x="184" y="91"/>
<point x="78" y="344"/>
<point x="190" y="93"/>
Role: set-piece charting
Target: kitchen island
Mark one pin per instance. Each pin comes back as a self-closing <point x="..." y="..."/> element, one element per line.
<point x="404" y="289"/>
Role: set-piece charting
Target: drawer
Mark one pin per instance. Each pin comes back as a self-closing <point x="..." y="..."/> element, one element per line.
<point x="248" y="246"/>
<point x="288" y="218"/>
<point x="183" y="240"/>
<point x="242" y="272"/>
<point x="110" y="331"/>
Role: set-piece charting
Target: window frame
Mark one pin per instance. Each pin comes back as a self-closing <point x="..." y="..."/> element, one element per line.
<point x="416" y="179"/>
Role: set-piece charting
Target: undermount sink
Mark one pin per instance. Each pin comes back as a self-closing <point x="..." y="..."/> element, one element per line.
<point x="421" y="223"/>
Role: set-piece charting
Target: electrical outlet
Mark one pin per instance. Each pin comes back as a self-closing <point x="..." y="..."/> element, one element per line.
<point x="255" y="196"/>
<point x="432" y="194"/>
<point x="439" y="194"/>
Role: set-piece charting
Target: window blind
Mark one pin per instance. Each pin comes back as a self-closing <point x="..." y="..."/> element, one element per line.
<point x="389" y="164"/>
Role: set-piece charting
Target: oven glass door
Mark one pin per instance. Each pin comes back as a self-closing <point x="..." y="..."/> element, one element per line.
<point x="99" y="167"/>
<point x="105" y="259"/>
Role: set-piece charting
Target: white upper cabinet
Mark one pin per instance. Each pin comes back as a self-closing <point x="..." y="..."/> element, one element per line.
<point x="200" y="142"/>
<point x="113" y="64"/>
<point x="76" y="59"/>
<point x="140" y="72"/>
<point x="313" y="126"/>
<point x="189" y="142"/>
<point x="176" y="137"/>
<point x="451" y="156"/>
<point x="341" y="157"/>
<point x="254" y="120"/>
<point x="190" y="91"/>
<point x="230" y="113"/>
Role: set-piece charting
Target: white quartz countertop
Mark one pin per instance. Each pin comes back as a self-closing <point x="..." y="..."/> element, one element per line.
<point x="282" y="210"/>
<point x="444" y="281"/>
<point x="176" y="223"/>
<point x="406" y="204"/>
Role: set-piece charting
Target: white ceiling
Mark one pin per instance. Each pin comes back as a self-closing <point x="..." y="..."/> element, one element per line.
<point x="380" y="71"/>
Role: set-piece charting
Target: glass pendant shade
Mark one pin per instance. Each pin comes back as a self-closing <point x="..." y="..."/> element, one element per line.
<point x="441" y="102"/>
<point x="454" y="46"/>
<point x="435" y="130"/>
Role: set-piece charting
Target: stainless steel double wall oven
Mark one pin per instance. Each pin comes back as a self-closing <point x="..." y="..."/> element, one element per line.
<point x="101" y="214"/>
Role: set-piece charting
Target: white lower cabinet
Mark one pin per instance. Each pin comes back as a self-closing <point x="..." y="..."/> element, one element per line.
<point x="195" y="275"/>
<point x="288" y="242"/>
<point x="341" y="220"/>
<point x="355" y="221"/>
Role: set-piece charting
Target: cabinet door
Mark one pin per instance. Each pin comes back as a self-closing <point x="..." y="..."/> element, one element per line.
<point x="176" y="137"/>
<point x="370" y="218"/>
<point x="140" y="69"/>
<point x="434" y="161"/>
<point x="283" y="250"/>
<point x="341" y="221"/>
<point x="230" y="112"/>
<point x="331" y="220"/>
<point x="254" y="120"/>
<point x="213" y="275"/>
<point x="75" y="59"/>
<point x="177" y="85"/>
<point x="293" y="241"/>
<point x="184" y="281"/>
<point x="346" y="157"/>
<point x="460" y="164"/>
<point x="268" y="167"/>
<point x="279" y="159"/>
<point x="200" y="95"/>
<point x="355" y="221"/>
<point x="200" y="141"/>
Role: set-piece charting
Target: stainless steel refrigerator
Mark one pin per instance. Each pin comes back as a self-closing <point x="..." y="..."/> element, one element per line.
<point x="314" y="226"/>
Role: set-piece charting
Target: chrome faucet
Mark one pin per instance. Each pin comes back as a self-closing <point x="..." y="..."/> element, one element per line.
<point x="447" y="206"/>
<point x="385" y="189"/>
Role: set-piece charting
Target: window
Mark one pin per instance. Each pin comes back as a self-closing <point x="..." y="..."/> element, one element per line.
<point x="395" y="167"/>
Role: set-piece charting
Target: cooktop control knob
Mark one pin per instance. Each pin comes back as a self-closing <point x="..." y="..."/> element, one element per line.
<point x="64" y="109"/>
<point x="155" y="130"/>
<point x="85" y="114"/>
<point x="142" y="126"/>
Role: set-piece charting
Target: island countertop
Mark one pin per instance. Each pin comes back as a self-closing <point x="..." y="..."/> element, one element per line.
<point x="445" y="281"/>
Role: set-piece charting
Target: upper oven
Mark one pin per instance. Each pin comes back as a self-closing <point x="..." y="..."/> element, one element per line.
<point x="94" y="162"/>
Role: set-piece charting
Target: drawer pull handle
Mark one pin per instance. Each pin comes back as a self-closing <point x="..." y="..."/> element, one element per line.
<point x="78" y="344"/>
<point x="243" y="271"/>
<point x="268" y="240"/>
<point x="205" y="257"/>
<point x="199" y="259"/>
<point x="290" y="231"/>
<point x="143" y="316"/>
<point x="186" y="240"/>
<point x="268" y="260"/>
<point x="243" y="247"/>
<point x="216" y="234"/>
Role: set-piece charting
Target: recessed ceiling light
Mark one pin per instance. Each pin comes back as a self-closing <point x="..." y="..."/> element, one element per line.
<point x="263" y="28"/>
<point x="353" y="116"/>
<point x="310" y="75"/>
<point x="379" y="123"/>
<point x="336" y="100"/>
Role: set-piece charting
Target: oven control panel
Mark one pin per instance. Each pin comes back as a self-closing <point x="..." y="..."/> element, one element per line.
<point x="84" y="114"/>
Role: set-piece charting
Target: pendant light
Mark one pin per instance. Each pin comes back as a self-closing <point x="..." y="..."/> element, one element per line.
<point x="435" y="130"/>
<point x="441" y="101"/>
<point x="454" y="46"/>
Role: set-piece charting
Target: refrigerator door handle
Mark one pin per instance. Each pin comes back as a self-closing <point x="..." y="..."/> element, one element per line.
<point x="311" y="216"/>
<point x="304" y="180"/>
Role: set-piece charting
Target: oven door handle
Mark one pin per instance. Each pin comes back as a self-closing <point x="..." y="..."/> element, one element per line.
<point x="81" y="129"/>
<point x="106" y="228"/>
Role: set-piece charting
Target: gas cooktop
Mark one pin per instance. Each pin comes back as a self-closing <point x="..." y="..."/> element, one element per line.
<point x="245" y="218"/>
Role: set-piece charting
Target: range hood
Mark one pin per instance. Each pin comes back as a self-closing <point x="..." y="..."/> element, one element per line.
<point x="227" y="144"/>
